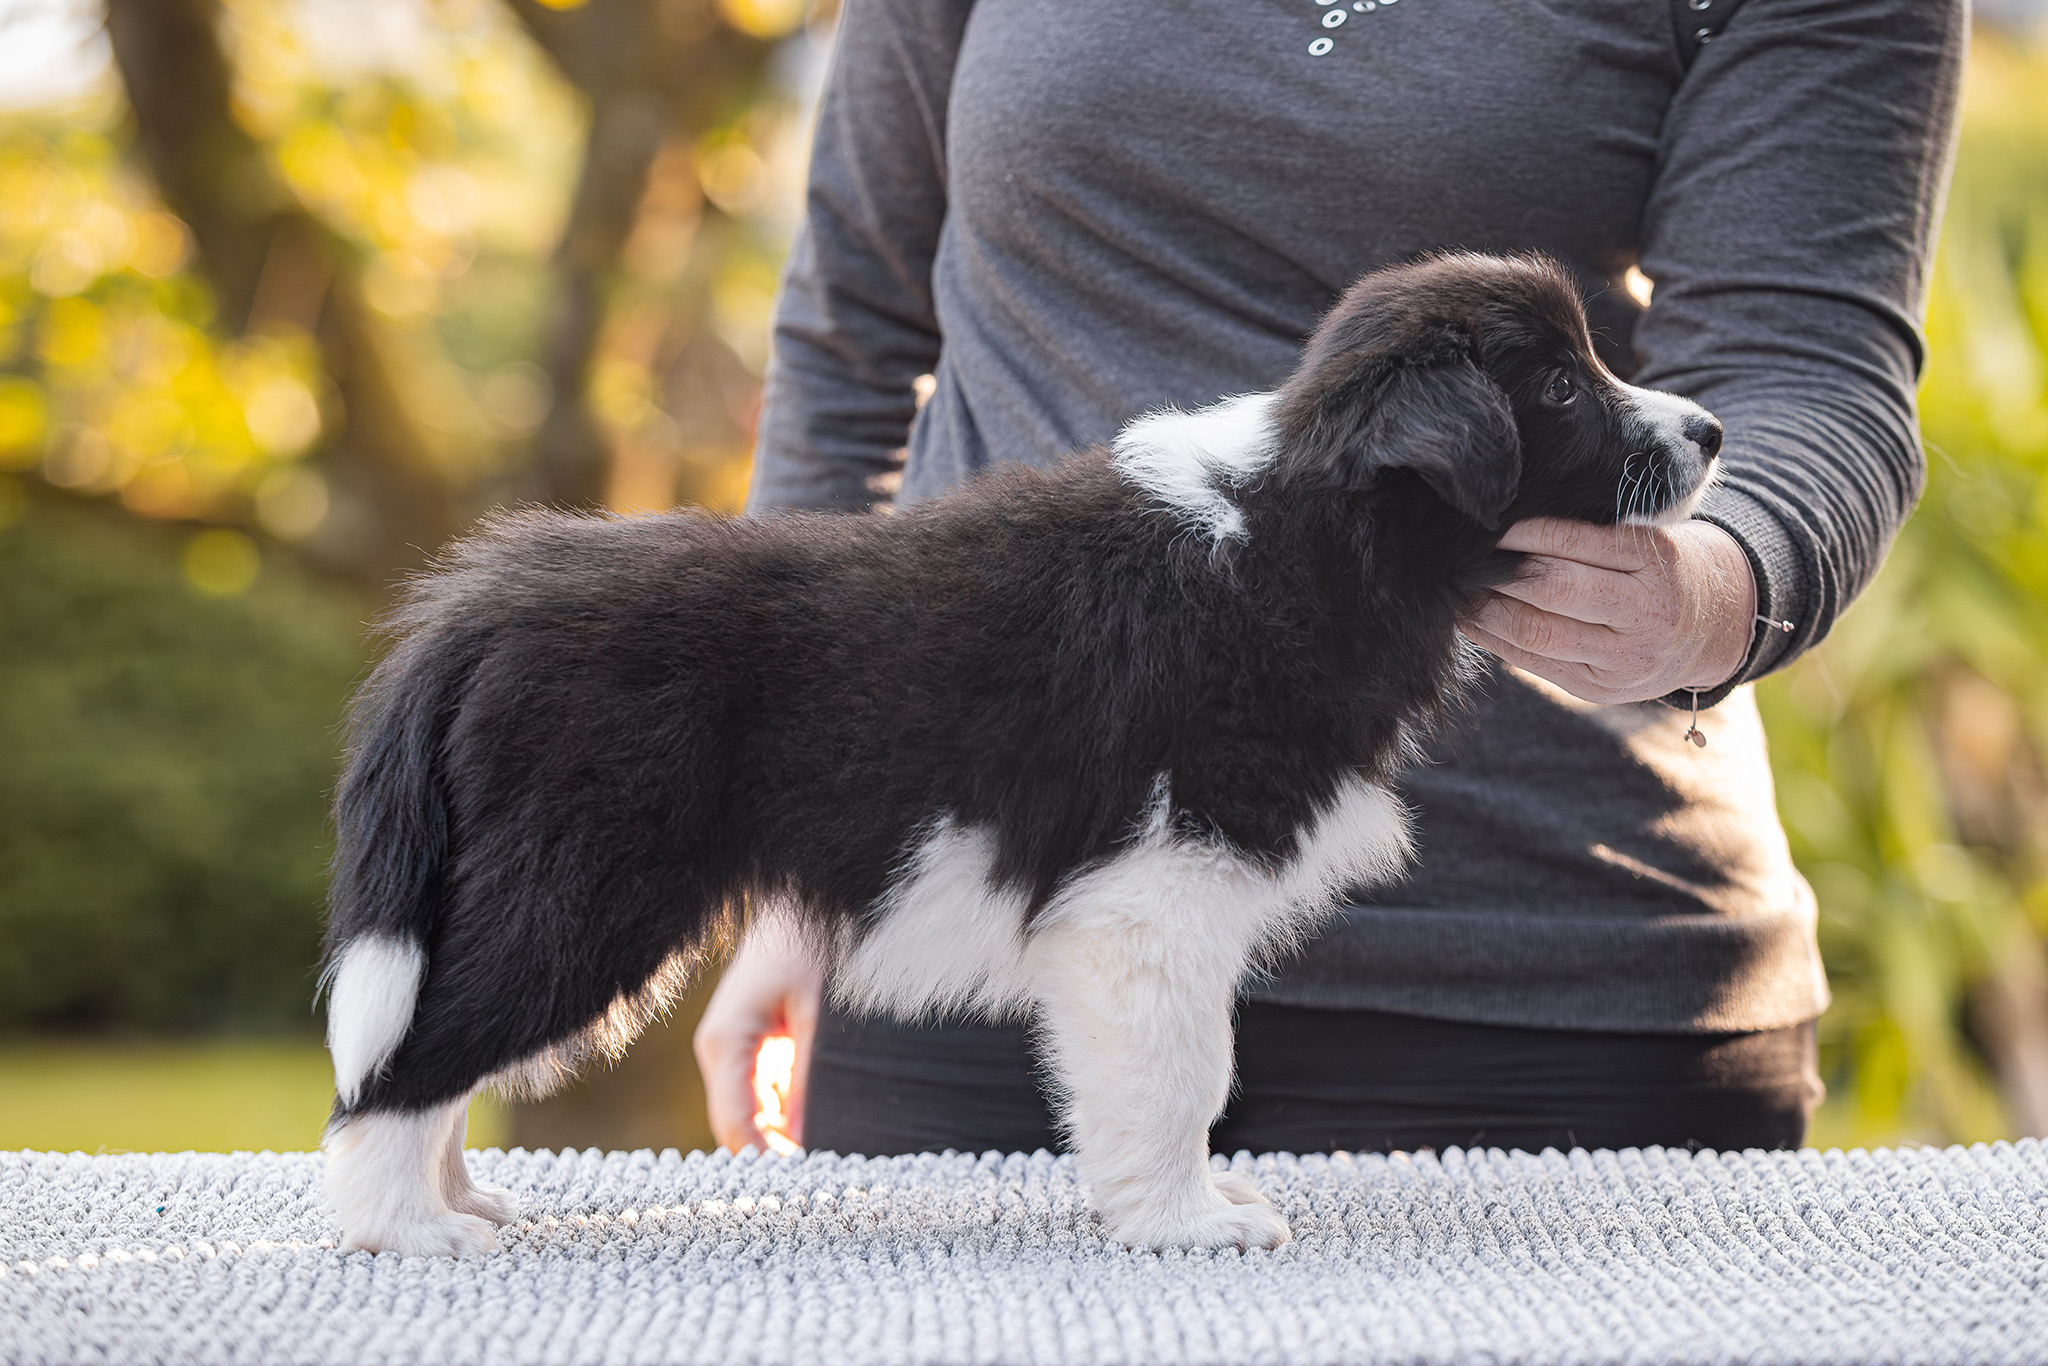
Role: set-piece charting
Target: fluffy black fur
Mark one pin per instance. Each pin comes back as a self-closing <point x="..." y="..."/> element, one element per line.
<point x="595" y="735"/>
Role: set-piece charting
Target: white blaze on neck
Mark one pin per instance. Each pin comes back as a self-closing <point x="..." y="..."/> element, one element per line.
<point x="1191" y="461"/>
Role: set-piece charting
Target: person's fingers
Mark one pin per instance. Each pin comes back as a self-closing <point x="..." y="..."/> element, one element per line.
<point x="801" y="1020"/>
<point x="1568" y="588"/>
<point x="1544" y="635"/>
<point x="1579" y="680"/>
<point x="727" y="1041"/>
<point x="771" y="986"/>
<point x="1583" y="619"/>
<point x="1626" y="549"/>
<point x="727" y="1065"/>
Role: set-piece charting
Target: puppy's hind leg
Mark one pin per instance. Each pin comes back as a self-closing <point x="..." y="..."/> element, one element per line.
<point x="1135" y="970"/>
<point x="387" y="1156"/>
<point x="461" y="1192"/>
<point x="385" y="1180"/>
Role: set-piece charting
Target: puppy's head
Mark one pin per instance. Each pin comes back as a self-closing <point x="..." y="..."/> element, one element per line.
<point x="1477" y="374"/>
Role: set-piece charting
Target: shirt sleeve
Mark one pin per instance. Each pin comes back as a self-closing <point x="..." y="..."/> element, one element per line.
<point x="1790" y="235"/>
<point x="855" y="325"/>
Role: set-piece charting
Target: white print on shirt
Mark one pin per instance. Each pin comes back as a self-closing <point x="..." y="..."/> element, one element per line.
<point x="1335" y="14"/>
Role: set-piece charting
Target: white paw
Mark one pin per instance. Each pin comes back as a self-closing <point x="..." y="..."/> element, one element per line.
<point x="1246" y="1226"/>
<point x="443" y="1235"/>
<point x="1237" y="1190"/>
<point x="486" y="1202"/>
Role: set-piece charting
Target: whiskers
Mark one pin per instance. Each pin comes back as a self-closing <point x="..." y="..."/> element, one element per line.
<point x="1635" y="496"/>
<point x="1624" y="491"/>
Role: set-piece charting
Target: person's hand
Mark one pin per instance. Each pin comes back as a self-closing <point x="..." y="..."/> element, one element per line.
<point x="772" y="986"/>
<point x="1621" y="613"/>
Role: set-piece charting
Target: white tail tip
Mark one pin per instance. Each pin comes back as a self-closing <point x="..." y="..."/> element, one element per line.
<point x="376" y="982"/>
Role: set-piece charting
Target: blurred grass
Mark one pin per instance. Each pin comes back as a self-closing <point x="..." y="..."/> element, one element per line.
<point x="154" y="1096"/>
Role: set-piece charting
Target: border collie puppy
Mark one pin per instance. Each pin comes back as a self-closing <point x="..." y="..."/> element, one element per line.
<point x="1086" y="741"/>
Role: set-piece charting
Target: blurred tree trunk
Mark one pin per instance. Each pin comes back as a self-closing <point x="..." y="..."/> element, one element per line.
<point x="653" y="71"/>
<point x="272" y="263"/>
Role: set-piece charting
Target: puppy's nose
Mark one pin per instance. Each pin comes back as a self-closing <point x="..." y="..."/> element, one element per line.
<point x="1705" y="432"/>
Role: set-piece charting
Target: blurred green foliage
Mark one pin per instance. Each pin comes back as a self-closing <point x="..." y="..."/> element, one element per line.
<point x="1908" y="747"/>
<point x="169" y="740"/>
<point x="172" y="669"/>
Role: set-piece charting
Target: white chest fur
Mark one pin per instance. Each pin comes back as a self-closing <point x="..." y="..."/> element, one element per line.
<point x="946" y="939"/>
<point x="1132" y="969"/>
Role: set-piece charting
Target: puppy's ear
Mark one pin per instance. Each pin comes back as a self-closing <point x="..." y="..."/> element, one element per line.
<point x="1362" y="412"/>
<point x="1453" y="426"/>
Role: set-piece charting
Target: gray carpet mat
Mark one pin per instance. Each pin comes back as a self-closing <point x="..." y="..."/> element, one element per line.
<point x="1651" y="1256"/>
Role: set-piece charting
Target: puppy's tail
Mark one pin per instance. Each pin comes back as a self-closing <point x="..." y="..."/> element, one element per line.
<point x="391" y="853"/>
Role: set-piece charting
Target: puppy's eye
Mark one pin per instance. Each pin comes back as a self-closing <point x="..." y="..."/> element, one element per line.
<point x="1560" y="390"/>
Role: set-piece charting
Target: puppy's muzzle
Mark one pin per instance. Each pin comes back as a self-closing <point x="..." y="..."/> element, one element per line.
<point x="1679" y="443"/>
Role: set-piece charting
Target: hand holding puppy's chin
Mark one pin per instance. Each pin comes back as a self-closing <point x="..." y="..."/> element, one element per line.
<point x="1621" y="613"/>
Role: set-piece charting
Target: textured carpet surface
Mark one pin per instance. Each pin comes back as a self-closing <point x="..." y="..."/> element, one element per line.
<point x="1653" y="1256"/>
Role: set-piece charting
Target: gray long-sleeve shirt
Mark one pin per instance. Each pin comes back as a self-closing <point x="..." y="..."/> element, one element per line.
<point x="1069" y="211"/>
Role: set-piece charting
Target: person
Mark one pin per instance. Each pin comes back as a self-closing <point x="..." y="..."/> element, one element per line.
<point x="1066" y="213"/>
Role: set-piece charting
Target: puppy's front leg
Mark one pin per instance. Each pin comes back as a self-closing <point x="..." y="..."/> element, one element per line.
<point x="1135" y="1019"/>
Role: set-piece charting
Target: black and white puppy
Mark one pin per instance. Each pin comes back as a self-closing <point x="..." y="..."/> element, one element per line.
<point x="1085" y="741"/>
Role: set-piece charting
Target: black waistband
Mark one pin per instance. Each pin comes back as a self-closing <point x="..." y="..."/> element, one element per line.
<point x="1338" y="1080"/>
